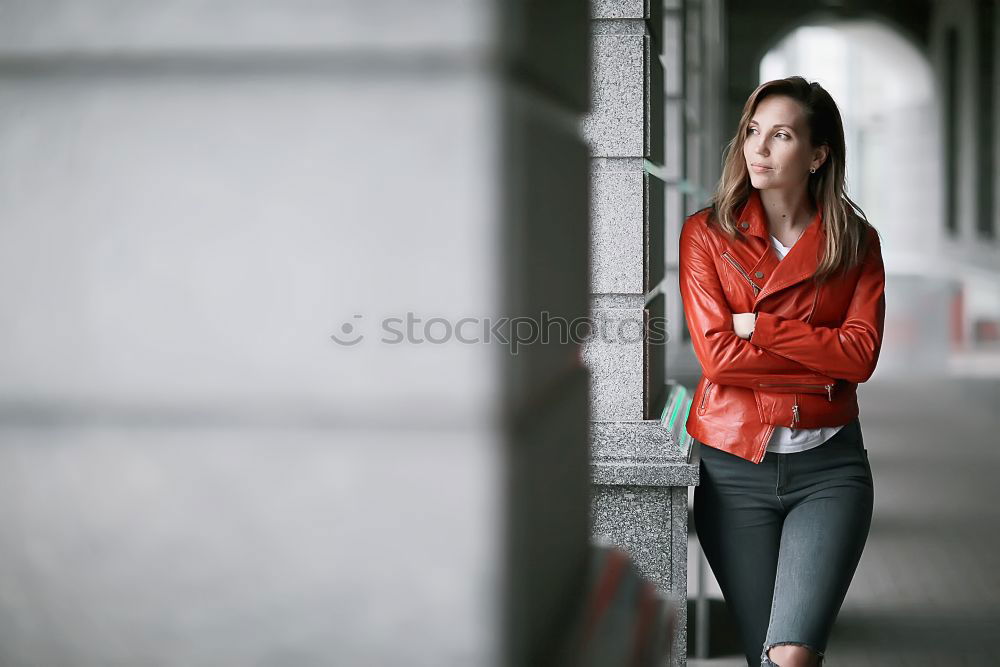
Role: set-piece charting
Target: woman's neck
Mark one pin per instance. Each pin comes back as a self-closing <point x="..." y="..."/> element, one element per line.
<point x="787" y="212"/>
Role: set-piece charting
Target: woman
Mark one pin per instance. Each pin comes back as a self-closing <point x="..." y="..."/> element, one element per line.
<point x="783" y="290"/>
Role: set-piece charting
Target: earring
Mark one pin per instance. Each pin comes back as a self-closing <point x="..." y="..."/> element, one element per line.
<point x="812" y="170"/>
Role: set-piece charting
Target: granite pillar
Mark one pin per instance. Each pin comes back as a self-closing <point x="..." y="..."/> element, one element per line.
<point x="639" y="463"/>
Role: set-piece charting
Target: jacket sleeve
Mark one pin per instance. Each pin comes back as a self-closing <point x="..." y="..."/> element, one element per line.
<point x="725" y="357"/>
<point x="847" y="352"/>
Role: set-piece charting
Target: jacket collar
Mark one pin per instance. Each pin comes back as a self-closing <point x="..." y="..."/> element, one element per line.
<point x="801" y="261"/>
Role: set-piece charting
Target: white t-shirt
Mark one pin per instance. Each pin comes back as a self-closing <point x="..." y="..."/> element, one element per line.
<point x="786" y="440"/>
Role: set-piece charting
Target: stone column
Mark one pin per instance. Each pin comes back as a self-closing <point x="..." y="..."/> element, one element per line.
<point x="196" y="199"/>
<point x="639" y="469"/>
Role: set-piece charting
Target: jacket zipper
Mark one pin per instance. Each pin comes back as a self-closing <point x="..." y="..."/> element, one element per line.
<point x="742" y="271"/>
<point x="763" y="443"/>
<point x="704" y="397"/>
<point x="795" y="411"/>
<point x="828" y="387"/>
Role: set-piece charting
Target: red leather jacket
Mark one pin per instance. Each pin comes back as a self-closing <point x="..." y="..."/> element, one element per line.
<point x="810" y="346"/>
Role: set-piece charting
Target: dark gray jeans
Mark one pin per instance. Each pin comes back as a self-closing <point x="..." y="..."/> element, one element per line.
<point x="784" y="537"/>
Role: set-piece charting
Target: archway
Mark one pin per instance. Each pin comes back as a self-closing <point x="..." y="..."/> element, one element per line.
<point x="884" y="87"/>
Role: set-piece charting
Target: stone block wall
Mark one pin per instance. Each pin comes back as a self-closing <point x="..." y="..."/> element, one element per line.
<point x="640" y="473"/>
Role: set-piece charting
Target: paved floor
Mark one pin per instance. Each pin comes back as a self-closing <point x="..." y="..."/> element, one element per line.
<point x="927" y="590"/>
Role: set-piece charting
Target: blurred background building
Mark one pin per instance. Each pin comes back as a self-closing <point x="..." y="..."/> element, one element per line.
<point x="240" y="422"/>
<point x="916" y="83"/>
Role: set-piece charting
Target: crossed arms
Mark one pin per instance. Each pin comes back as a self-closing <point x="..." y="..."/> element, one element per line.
<point x="797" y="350"/>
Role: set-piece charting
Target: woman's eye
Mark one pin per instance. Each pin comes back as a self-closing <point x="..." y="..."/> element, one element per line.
<point x="783" y="135"/>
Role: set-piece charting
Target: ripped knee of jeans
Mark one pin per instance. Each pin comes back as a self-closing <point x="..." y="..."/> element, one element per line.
<point x="765" y="660"/>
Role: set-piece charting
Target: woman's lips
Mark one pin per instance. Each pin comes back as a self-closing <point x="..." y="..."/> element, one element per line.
<point x="759" y="169"/>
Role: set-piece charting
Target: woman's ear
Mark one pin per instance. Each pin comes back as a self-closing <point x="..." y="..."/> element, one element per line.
<point x="821" y="153"/>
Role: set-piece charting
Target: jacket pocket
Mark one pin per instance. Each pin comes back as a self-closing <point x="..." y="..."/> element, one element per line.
<point x="780" y="386"/>
<point x="729" y="258"/>
<point x="704" y="397"/>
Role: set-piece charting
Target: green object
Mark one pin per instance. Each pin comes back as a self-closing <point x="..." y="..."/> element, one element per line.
<point x="681" y="392"/>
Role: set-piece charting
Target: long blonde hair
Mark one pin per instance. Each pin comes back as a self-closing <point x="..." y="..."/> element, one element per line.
<point x="844" y="222"/>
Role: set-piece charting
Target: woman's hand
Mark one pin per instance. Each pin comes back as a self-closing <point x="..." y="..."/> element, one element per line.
<point x="743" y="324"/>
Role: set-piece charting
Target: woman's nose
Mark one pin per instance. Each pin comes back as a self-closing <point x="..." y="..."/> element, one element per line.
<point x="761" y="147"/>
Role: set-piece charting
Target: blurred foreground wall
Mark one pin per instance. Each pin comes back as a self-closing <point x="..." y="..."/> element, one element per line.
<point x="194" y="197"/>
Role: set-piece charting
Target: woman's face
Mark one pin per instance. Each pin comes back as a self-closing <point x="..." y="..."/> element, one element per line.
<point x="776" y="147"/>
